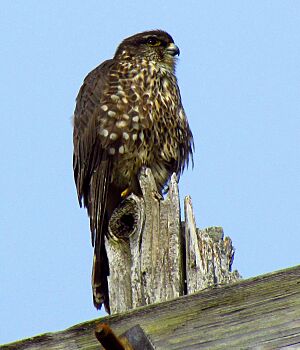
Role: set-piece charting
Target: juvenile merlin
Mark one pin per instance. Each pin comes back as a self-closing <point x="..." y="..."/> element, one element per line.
<point x="128" y="115"/>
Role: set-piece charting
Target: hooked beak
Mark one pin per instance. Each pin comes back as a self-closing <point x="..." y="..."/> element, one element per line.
<point x="173" y="50"/>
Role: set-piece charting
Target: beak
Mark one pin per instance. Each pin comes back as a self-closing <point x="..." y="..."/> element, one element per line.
<point x="173" y="50"/>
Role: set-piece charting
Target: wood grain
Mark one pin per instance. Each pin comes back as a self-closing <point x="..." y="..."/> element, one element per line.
<point x="258" y="313"/>
<point x="156" y="257"/>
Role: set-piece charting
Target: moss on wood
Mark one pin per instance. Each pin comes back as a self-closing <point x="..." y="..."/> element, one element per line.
<point x="261" y="312"/>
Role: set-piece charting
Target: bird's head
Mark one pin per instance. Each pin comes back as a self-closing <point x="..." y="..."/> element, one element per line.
<point x="156" y="46"/>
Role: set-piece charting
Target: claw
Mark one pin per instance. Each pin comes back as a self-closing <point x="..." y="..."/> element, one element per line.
<point x="158" y="196"/>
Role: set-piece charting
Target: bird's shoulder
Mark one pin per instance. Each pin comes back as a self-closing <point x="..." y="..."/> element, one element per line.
<point x="93" y="85"/>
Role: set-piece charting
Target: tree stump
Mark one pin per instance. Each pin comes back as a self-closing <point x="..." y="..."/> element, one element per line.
<point x="154" y="257"/>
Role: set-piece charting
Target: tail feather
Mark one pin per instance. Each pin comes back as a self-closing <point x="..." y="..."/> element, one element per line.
<point x="100" y="273"/>
<point x="99" y="227"/>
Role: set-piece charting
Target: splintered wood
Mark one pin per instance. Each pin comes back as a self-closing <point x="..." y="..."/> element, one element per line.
<point x="153" y="257"/>
<point x="209" y="256"/>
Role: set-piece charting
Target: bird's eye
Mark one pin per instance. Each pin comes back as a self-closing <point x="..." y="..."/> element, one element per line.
<point x="153" y="41"/>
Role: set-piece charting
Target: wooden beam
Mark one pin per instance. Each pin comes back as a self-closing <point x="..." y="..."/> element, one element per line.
<point x="258" y="313"/>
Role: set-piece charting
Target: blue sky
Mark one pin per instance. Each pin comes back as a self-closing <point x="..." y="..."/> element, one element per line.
<point x="239" y="76"/>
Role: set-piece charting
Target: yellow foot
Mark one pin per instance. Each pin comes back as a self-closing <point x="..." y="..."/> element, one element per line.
<point x="125" y="193"/>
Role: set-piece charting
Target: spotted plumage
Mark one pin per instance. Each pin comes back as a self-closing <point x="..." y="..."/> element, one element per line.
<point x="128" y="115"/>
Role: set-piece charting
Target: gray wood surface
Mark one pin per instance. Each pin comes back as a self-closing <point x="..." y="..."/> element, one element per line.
<point x="209" y="256"/>
<point x="258" y="313"/>
<point x="146" y="267"/>
<point x="156" y="257"/>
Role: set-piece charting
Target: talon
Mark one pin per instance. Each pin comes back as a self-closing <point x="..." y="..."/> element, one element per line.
<point x="158" y="196"/>
<point x="125" y="193"/>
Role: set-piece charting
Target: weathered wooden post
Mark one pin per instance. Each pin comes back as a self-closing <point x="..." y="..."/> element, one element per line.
<point x="154" y="257"/>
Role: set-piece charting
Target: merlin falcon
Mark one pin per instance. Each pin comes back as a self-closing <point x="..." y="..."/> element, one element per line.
<point x="128" y="115"/>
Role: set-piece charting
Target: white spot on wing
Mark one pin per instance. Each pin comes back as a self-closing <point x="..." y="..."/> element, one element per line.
<point x="115" y="98"/>
<point x="141" y="136"/>
<point x="111" y="113"/>
<point x="113" y="136"/>
<point x="121" y="124"/>
<point x="104" y="132"/>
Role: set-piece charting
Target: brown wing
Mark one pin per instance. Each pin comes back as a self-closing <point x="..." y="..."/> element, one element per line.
<point x="92" y="172"/>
